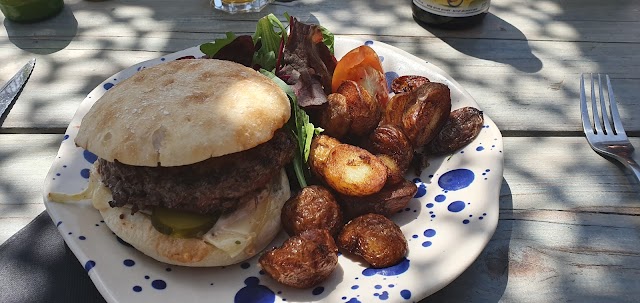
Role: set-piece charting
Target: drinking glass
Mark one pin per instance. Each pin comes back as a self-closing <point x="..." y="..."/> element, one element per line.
<point x="240" y="6"/>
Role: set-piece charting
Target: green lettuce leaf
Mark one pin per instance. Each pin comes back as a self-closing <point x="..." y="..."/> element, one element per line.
<point x="302" y="129"/>
<point x="327" y="38"/>
<point x="211" y="48"/>
<point x="270" y="33"/>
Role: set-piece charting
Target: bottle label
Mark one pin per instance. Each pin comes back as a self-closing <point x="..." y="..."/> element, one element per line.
<point x="454" y="8"/>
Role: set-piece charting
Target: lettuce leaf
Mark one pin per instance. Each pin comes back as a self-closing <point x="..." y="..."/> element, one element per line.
<point x="269" y="41"/>
<point x="327" y="38"/>
<point x="302" y="129"/>
<point x="211" y="48"/>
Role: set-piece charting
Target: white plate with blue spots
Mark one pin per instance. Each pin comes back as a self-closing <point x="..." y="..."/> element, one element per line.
<point x="447" y="224"/>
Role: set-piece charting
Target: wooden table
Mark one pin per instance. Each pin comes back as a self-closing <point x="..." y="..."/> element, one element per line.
<point x="569" y="226"/>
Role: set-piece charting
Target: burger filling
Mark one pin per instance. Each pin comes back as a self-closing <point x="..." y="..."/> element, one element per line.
<point x="215" y="186"/>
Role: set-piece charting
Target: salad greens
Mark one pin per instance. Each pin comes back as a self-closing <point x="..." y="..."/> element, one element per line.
<point x="212" y="48"/>
<point x="302" y="129"/>
<point x="268" y="42"/>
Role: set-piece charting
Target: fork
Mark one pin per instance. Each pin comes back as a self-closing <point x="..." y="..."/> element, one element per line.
<point x="606" y="136"/>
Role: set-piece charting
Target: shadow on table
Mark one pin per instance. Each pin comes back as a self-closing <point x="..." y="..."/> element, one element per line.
<point x="37" y="266"/>
<point x="486" y="279"/>
<point x="26" y="36"/>
<point x="513" y="50"/>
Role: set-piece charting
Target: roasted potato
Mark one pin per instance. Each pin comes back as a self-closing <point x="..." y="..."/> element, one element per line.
<point x="423" y="119"/>
<point x="462" y="126"/>
<point x="320" y="147"/>
<point x="395" y="173"/>
<point x="354" y="171"/>
<point x="303" y="260"/>
<point x="365" y="111"/>
<point x="335" y="116"/>
<point x="390" y="140"/>
<point x="405" y="84"/>
<point x="375" y="238"/>
<point x="314" y="207"/>
<point x="388" y="201"/>
<point x="395" y="108"/>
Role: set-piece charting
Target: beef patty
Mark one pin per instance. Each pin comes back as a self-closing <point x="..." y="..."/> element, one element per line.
<point x="216" y="185"/>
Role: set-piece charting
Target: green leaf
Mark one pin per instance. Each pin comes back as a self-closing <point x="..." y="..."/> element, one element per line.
<point x="327" y="38"/>
<point x="211" y="48"/>
<point x="302" y="129"/>
<point x="270" y="39"/>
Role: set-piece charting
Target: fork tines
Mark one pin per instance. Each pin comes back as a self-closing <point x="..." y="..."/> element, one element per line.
<point x="600" y="124"/>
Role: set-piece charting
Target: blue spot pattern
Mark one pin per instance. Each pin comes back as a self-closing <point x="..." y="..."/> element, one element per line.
<point x="456" y="179"/>
<point x="394" y="270"/>
<point x="89" y="265"/>
<point x="253" y="292"/>
<point x="108" y="85"/>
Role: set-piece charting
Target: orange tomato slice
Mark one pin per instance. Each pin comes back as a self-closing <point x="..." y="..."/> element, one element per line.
<point x="363" y="66"/>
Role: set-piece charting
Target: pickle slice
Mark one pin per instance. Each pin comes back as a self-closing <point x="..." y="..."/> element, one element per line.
<point x="182" y="224"/>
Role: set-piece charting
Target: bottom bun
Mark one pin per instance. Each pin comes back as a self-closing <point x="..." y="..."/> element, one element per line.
<point x="138" y="231"/>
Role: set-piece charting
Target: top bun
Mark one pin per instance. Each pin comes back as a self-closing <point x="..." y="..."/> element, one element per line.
<point x="182" y="112"/>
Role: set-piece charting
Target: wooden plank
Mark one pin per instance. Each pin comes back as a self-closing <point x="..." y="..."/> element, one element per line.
<point x="508" y="19"/>
<point x="590" y="258"/>
<point x="532" y="86"/>
<point x="24" y="163"/>
<point x="566" y="174"/>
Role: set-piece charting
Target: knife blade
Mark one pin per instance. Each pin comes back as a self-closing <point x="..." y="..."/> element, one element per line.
<point x="12" y="88"/>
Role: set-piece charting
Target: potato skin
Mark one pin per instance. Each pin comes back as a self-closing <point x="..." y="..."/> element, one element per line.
<point x="423" y="119"/>
<point x="408" y="83"/>
<point x="387" y="202"/>
<point x="335" y="116"/>
<point x="314" y="207"/>
<point x="375" y="238"/>
<point x="395" y="108"/>
<point x="321" y="146"/>
<point x="462" y="126"/>
<point x="354" y="171"/>
<point x="302" y="261"/>
<point x="365" y="111"/>
<point x="390" y="140"/>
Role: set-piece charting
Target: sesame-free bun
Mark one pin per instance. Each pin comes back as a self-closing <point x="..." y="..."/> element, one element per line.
<point x="182" y="112"/>
<point x="138" y="230"/>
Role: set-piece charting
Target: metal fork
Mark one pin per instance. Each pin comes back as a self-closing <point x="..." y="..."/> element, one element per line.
<point x="606" y="136"/>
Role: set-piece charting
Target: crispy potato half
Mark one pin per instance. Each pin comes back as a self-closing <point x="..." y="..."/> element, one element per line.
<point x="335" y="116"/>
<point x="423" y="119"/>
<point x="388" y="201"/>
<point x="464" y="125"/>
<point x="408" y="83"/>
<point x="390" y="140"/>
<point x="365" y="111"/>
<point x="319" y="152"/>
<point x="353" y="171"/>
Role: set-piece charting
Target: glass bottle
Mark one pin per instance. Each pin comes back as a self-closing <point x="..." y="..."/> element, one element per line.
<point x="30" y="10"/>
<point x="450" y="14"/>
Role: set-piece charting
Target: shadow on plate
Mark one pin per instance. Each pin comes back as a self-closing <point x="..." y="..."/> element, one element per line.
<point x="486" y="279"/>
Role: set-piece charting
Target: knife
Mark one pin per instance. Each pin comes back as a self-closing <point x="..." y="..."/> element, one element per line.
<point x="12" y="88"/>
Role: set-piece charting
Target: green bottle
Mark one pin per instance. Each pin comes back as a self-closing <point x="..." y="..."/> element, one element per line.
<point x="30" y="10"/>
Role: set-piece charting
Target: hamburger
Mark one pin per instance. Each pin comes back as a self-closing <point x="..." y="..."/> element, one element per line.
<point x="190" y="161"/>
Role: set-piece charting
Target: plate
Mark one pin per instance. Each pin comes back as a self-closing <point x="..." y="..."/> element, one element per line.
<point x="447" y="224"/>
